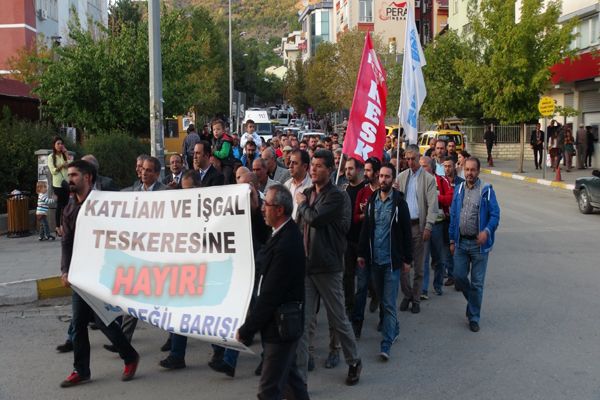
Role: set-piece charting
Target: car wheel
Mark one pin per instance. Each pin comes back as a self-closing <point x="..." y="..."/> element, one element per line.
<point x="584" y="202"/>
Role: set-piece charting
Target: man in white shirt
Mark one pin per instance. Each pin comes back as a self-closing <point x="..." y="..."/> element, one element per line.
<point x="300" y="180"/>
<point x="250" y="134"/>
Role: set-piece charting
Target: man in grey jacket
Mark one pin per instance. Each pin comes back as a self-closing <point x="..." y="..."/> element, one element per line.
<point x="420" y="192"/>
<point x="324" y="218"/>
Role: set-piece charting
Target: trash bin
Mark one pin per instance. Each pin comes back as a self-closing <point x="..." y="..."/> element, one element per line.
<point x="17" y="206"/>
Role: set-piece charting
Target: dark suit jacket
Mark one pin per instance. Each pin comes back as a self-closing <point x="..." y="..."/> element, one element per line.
<point x="106" y="184"/>
<point x="281" y="281"/>
<point x="158" y="185"/>
<point x="212" y="177"/>
<point x="532" y="139"/>
<point x="169" y="178"/>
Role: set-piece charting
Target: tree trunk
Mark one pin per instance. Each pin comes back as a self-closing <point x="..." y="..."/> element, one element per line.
<point x="522" y="148"/>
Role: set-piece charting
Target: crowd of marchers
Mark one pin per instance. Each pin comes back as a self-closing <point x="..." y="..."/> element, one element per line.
<point x="328" y="231"/>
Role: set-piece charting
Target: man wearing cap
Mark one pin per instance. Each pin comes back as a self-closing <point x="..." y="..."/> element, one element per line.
<point x="285" y="158"/>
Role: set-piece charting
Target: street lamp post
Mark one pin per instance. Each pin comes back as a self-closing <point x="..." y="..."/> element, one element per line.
<point x="156" y="101"/>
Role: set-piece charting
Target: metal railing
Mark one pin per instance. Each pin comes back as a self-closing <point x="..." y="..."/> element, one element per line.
<point x="504" y="133"/>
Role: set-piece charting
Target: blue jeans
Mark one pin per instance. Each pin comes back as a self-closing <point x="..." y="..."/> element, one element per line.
<point x="437" y="252"/>
<point x="468" y="258"/>
<point x="386" y="281"/>
<point x="360" y="298"/>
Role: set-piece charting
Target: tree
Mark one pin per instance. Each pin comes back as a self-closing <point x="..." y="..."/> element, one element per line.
<point x="295" y="87"/>
<point x="101" y="84"/>
<point x="447" y="94"/>
<point x="511" y="69"/>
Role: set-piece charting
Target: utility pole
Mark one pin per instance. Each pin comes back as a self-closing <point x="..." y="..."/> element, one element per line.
<point x="156" y="101"/>
<point x="230" y="74"/>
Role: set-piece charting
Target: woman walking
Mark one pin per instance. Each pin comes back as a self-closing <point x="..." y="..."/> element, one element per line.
<point x="569" y="149"/>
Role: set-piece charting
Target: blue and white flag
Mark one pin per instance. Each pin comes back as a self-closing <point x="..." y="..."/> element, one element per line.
<point x="413" y="92"/>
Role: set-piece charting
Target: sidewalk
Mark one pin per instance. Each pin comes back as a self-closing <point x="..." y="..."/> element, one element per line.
<point x="509" y="168"/>
<point x="29" y="270"/>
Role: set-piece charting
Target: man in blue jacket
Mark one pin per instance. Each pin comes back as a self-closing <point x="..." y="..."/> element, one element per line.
<point x="474" y="217"/>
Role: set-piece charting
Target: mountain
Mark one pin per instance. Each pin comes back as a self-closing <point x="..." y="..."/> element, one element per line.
<point x="260" y="19"/>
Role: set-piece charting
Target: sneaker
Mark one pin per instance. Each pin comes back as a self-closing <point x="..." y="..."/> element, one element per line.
<point x="474" y="326"/>
<point x="93" y="326"/>
<point x="384" y="356"/>
<point x="65" y="348"/>
<point x="172" y="362"/>
<point x="167" y="345"/>
<point x="258" y="370"/>
<point x="111" y="348"/>
<point x="333" y="359"/>
<point x="41" y="239"/>
<point x="449" y="282"/>
<point x="223" y="367"/>
<point x="311" y="363"/>
<point x="51" y="237"/>
<point x="424" y="296"/>
<point x="438" y="292"/>
<point x="354" y="373"/>
<point x="74" y="379"/>
<point x="129" y="370"/>
<point x="416" y="308"/>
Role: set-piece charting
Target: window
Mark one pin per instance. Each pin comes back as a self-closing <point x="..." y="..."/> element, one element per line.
<point x="365" y="11"/>
<point x="324" y="26"/>
<point x="587" y="33"/>
<point x="455" y="7"/>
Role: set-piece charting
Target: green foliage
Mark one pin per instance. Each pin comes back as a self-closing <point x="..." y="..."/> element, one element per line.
<point x="20" y="140"/>
<point x="447" y="95"/>
<point x="295" y="87"/>
<point x="101" y="84"/>
<point x="511" y="68"/>
<point x="116" y="152"/>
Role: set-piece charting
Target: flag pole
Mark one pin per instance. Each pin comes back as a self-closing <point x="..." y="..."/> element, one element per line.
<point x="337" y="177"/>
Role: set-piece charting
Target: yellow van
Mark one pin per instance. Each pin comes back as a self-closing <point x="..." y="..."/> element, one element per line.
<point x="444" y="134"/>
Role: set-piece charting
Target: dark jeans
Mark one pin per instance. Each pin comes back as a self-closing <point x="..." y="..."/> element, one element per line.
<point x="82" y="316"/>
<point x="350" y="275"/>
<point x="44" y="228"/>
<point x="280" y="370"/>
<point x="61" y="202"/>
<point x="387" y="282"/>
<point x="470" y="262"/>
<point x="178" y="345"/>
<point x="363" y="277"/>
<point x="537" y="156"/>
<point x="488" y="146"/>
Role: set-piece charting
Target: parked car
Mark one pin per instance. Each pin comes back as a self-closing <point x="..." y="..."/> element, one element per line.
<point x="587" y="192"/>
<point x="305" y="135"/>
<point x="444" y="134"/>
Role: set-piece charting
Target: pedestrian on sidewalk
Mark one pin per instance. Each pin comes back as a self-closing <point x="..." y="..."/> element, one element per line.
<point x="581" y="146"/>
<point x="489" y="137"/>
<point x="536" y="141"/>
<point x="569" y="149"/>
<point x="41" y="212"/>
<point x="57" y="164"/>
<point x="590" y="146"/>
<point x="474" y="218"/>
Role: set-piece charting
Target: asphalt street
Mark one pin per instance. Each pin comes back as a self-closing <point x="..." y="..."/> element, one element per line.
<point x="539" y="333"/>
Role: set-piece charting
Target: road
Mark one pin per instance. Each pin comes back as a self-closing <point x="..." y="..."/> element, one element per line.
<point x="538" y="340"/>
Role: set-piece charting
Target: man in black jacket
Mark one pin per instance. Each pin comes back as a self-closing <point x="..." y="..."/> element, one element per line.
<point x="281" y="281"/>
<point x="324" y="217"/>
<point x="385" y="243"/>
<point x="209" y="176"/>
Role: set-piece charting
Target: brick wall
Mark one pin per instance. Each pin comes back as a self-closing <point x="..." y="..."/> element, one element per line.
<point x="502" y="151"/>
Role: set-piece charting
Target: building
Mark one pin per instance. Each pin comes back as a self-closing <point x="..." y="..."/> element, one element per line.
<point x="22" y="22"/>
<point x="316" y="19"/>
<point x="458" y="15"/>
<point x="291" y="48"/>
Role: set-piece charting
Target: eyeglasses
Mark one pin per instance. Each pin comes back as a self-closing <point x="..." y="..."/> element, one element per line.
<point x="269" y="205"/>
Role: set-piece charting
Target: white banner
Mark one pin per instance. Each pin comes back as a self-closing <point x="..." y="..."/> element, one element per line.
<point x="413" y="91"/>
<point x="180" y="260"/>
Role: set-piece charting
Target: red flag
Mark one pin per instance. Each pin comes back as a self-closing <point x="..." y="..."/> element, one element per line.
<point x="365" y="135"/>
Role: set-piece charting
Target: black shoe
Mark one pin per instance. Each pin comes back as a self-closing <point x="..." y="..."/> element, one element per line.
<point x="51" y="237"/>
<point x="416" y="308"/>
<point x="258" y="370"/>
<point x="111" y="348"/>
<point x="311" y="363"/>
<point x="65" y="348"/>
<point x="449" y="282"/>
<point x="166" y="346"/>
<point x="404" y="304"/>
<point x="333" y="359"/>
<point x="357" y="328"/>
<point x="218" y="353"/>
<point x="93" y="326"/>
<point x="172" y="363"/>
<point x="223" y="367"/>
<point x="354" y="373"/>
<point x="374" y="304"/>
<point x="474" y="326"/>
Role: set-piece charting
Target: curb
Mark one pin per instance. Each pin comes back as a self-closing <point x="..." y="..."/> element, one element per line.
<point x="30" y="290"/>
<point x="545" y="182"/>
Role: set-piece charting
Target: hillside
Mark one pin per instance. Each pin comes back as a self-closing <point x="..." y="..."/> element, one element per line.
<point x="260" y="19"/>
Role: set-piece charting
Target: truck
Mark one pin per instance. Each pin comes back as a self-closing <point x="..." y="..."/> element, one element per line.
<point x="262" y="121"/>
